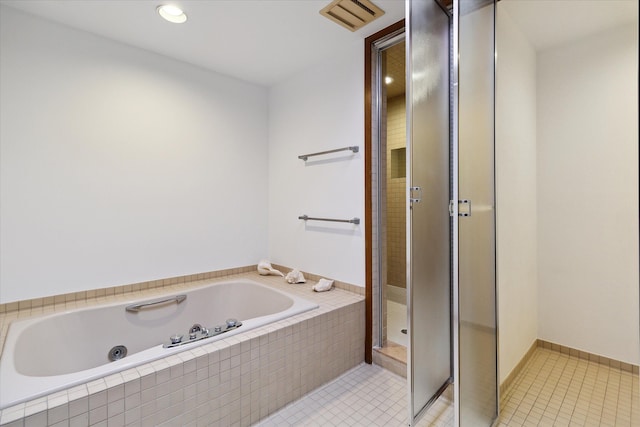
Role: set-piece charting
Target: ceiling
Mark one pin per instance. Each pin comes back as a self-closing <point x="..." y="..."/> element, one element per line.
<point x="260" y="41"/>
<point x="548" y="23"/>
<point x="267" y="41"/>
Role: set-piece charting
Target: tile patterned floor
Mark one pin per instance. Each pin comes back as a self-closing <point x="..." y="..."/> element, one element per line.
<point x="552" y="390"/>
<point x="367" y="395"/>
<point x="555" y="389"/>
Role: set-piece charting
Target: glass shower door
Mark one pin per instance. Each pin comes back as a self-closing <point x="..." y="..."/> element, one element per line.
<point x="476" y="392"/>
<point x="428" y="220"/>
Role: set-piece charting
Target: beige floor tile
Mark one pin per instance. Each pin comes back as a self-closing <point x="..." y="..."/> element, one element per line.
<point x="568" y="391"/>
<point x="553" y="389"/>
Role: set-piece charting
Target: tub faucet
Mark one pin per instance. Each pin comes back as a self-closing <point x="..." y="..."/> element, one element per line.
<point x="204" y="333"/>
<point x="193" y="332"/>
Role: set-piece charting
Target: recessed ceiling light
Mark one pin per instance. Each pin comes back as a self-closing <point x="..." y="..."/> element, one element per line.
<point x="172" y="13"/>
<point x="388" y="80"/>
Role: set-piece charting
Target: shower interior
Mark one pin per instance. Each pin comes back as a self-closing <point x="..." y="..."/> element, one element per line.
<point x="393" y="202"/>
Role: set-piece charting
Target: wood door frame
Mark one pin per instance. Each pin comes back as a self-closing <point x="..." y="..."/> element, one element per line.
<point x="368" y="195"/>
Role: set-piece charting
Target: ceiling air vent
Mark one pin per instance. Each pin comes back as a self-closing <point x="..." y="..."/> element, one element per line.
<point x="352" y="14"/>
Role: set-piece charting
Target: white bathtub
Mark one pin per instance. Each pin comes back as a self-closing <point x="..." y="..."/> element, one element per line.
<point x="50" y="353"/>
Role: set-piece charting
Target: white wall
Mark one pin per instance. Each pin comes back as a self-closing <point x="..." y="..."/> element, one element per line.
<point x="120" y="166"/>
<point x="320" y="109"/>
<point x="516" y="225"/>
<point x="588" y="194"/>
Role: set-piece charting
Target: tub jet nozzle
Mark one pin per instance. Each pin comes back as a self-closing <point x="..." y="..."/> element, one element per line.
<point x="117" y="353"/>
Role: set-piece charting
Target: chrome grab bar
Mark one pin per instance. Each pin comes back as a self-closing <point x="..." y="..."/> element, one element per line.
<point x="353" y="148"/>
<point x="350" y="221"/>
<point x="137" y="307"/>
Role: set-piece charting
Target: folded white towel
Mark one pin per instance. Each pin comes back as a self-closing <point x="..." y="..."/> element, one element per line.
<point x="323" y="285"/>
<point x="295" y="276"/>
<point x="265" y="269"/>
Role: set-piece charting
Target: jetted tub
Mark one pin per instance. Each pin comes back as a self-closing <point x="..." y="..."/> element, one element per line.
<point x="46" y="354"/>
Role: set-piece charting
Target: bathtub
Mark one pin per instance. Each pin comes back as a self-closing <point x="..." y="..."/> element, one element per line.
<point x="46" y="354"/>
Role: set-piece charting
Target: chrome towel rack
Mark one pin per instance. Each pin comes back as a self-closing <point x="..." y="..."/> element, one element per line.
<point x="309" y="218"/>
<point x="353" y="148"/>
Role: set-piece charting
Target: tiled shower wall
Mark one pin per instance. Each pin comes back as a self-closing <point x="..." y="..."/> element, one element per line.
<point x="396" y="192"/>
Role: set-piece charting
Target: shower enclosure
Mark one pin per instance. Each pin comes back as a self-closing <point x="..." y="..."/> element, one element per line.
<point x="429" y="243"/>
<point x="475" y="285"/>
<point x="449" y="195"/>
<point x="392" y="203"/>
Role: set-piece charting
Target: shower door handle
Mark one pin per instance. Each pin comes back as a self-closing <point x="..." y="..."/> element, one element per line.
<point x="464" y="207"/>
<point x="417" y="199"/>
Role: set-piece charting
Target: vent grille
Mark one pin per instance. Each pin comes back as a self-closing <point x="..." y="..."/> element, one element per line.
<point x="352" y="14"/>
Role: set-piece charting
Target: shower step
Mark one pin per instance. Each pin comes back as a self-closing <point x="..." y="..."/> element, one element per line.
<point x="393" y="358"/>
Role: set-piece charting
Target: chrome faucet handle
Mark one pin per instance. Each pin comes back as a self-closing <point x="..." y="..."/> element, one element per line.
<point x="175" y="339"/>
<point x="195" y="328"/>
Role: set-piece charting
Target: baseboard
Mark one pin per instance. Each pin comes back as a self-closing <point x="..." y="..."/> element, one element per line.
<point x="504" y="386"/>
<point x="569" y="351"/>
<point x="627" y="367"/>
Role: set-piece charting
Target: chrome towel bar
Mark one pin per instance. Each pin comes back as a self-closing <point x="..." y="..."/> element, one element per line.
<point x="137" y="307"/>
<point x="350" y="221"/>
<point x="353" y="148"/>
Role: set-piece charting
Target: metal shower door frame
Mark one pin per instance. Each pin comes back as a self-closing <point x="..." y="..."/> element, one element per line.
<point x="428" y="379"/>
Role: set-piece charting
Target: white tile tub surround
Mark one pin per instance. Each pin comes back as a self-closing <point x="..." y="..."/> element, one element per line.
<point x="78" y="341"/>
<point x="240" y="379"/>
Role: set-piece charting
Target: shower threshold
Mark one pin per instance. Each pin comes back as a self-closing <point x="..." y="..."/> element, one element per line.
<point x="392" y="357"/>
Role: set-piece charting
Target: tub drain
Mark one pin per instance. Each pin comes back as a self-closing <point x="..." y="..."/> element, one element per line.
<point x="117" y="352"/>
